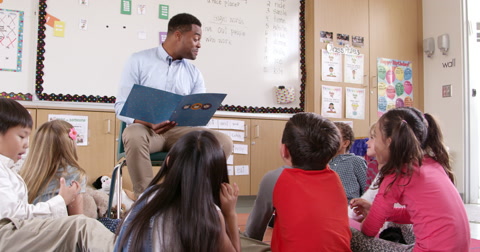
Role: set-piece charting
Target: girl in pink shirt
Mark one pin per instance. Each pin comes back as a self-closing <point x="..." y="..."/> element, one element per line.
<point x="417" y="174"/>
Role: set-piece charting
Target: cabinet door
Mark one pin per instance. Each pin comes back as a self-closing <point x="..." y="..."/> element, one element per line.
<point x="239" y="160"/>
<point x="396" y="33"/>
<point x="98" y="157"/>
<point x="33" y="113"/>
<point x="266" y="137"/>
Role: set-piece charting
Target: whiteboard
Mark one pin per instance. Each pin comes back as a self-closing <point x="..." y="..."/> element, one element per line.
<point x="248" y="47"/>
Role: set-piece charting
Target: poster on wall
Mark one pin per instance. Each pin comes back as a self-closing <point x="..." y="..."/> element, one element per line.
<point x="354" y="68"/>
<point x="11" y="40"/>
<point x="355" y="103"/>
<point x="331" y="66"/>
<point x="80" y="123"/>
<point x="332" y="101"/>
<point x="395" y="87"/>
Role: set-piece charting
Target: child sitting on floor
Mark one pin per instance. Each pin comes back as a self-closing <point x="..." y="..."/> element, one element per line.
<point x="352" y="169"/>
<point x="52" y="155"/>
<point x="306" y="195"/>
<point x="417" y="174"/>
<point x="44" y="226"/>
<point x="188" y="206"/>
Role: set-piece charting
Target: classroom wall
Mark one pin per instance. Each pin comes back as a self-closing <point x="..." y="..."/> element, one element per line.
<point x="439" y="17"/>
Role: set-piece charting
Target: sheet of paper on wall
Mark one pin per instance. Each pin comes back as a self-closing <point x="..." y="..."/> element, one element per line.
<point x="80" y="123"/>
<point x="142" y="35"/>
<point x="223" y="124"/>
<point x="50" y="20"/>
<point x="237" y="136"/>
<point x="212" y="124"/>
<point x="231" y="124"/>
<point x="142" y="9"/>
<point x="230" y="159"/>
<point x="354" y="68"/>
<point x="230" y="170"/>
<point x="332" y="101"/>
<point x="162" y="37"/>
<point x="331" y="66"/>
<point x="126" y="7"/>
<point x="394" y="84"/>
<point x="83" y="25"/>
<point x="355" y="103"/>
<point x="237" y="124"/>
<point x="59" y="29"/>
<point x="240" y="149"/>
<point x="241" y="170"/>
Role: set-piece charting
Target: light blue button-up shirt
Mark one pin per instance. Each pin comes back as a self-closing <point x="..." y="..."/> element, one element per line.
<point x="155" y="68"/>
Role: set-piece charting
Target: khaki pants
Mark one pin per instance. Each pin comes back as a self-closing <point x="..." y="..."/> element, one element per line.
<point x="72" y="233"/>
<point x="140" y="141"/>
<point x="252" y="245"/>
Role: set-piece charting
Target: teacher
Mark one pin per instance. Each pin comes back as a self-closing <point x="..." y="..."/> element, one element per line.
<point x="165" y="67"/>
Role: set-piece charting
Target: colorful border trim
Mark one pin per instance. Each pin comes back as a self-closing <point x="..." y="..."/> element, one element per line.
<point x="104" y="99"/>
<point x="14" y="96"/>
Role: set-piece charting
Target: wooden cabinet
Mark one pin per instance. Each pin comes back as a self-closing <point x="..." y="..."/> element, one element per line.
<point x="243" y="181"/>
<point x="98" y="157"/>
<point x="391" y="29"/>
<point x="262" y="136"/>
<point x="266" y="136"/>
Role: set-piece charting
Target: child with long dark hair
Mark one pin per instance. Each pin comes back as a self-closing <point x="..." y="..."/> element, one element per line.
<point x="417" y="174"/>
<point x="189" y="205"/>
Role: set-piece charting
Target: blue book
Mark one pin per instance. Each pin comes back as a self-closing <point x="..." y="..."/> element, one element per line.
<point x="155" y="106"/>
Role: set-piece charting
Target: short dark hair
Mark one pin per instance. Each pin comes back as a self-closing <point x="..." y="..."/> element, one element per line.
<point x="347" y="133"/>
<point x="182" y="22"/>
<point x="312" y="140"/>
<point x="13" y="114"/>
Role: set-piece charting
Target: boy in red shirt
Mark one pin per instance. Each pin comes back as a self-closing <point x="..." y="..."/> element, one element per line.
<point x="309" y="200"/>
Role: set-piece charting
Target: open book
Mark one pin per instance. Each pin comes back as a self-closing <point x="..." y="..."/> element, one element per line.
<point x="156" y="106"/>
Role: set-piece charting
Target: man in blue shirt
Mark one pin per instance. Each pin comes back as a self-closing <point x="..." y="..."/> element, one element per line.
<point x="165" y="67"/>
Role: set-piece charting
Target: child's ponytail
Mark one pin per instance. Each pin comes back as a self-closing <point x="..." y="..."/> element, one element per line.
<point x="435" y="147"/>
<point x="405" y="148"/>
<point x="407" y="133"/>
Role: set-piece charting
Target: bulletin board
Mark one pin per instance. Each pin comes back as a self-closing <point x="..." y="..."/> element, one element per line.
<point x="248" y="48"/>
<point x="17" y="49"/>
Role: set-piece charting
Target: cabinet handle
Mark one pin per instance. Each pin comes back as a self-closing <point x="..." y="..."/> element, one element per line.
<point x="109" y="126"/>
<point x="257" y="131"/>
<point x="246" y="131"/>
<point x="366" y="84"/>
<point x="371" y="81"/>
